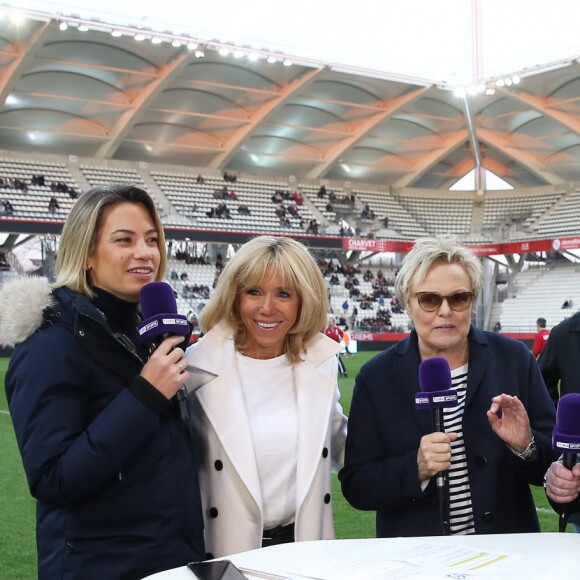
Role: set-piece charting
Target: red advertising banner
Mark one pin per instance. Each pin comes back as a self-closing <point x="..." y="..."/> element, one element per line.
<point x="523" y="247"/>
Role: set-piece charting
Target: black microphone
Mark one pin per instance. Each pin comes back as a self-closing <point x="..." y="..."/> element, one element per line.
<point x="161" y="320"/>
<point x="566" y="438"/>
<point x="436" y="394"/>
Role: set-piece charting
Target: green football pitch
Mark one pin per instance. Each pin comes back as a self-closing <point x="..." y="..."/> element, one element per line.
<point x="17" y="508"/>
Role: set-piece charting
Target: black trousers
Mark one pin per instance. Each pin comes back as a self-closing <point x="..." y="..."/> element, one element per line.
<point x="278" y="535"/>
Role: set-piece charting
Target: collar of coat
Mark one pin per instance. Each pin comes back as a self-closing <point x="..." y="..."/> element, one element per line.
<point x="214" y="378"/>
<point x="23" y="303"/>
<point x="217" y="347"/>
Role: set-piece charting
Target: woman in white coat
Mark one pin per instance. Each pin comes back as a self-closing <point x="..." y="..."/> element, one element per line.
<point x="264" y="394"/>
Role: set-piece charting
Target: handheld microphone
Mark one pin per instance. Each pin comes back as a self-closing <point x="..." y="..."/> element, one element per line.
<point x="566" y="434"/>
<point x="566" y="438"/>
<point x="161" y="320"/>
<point x="436" y="394"/>
<point x="159" y="311"/>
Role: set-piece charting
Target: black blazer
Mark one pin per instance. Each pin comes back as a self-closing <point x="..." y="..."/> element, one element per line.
<point x="560" y="359"/>
<point x="380" y="471"/>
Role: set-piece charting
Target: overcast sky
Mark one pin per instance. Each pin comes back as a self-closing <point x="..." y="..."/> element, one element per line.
<point x="430" y="39"/>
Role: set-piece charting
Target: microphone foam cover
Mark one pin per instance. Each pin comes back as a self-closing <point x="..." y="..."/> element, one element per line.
<point x="434" y="374"/>
<point x="566" y="434"/>
<point x="568" y="414"/>
<point x="157" y="298"/>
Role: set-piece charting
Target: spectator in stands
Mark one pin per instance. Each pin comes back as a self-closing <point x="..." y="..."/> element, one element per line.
<point x="199" y="179"/>
<point x="334" y="332"/>
<point x="92" y="406"/>
<point x="541" y="337"/>
<point x="321" y="191"/>
<point x="53" y="205"/>
<point x="293" y="210"/>
<point x="367" y="213"/>
<point x="297" y="197"/>
<point x="244" y="210"/>
<point x="497" y="326"/>
<point x="223" y="211"/>
<point x="312" y="227"/>
<point x="7" y="207"/>
<point x="274" y="446"/>
<point x="567" y="304"/>
<point x="494" y="446"/>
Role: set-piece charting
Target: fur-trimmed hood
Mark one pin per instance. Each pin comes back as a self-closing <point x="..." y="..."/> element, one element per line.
<point x="22" y="304"/>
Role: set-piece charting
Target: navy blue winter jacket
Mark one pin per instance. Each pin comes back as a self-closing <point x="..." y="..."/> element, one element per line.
<point x="105" y="454"/>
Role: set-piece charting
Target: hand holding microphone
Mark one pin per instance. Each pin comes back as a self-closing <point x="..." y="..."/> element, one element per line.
<point x="166" y="369"/>
<point x="563" y="484"/>
<point x="563" y="479"/>
<point x="434" y="455"/>
<point x="163" y="326"/>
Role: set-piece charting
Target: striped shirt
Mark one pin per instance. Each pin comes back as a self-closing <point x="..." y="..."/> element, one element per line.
<point x="460" y="507"/>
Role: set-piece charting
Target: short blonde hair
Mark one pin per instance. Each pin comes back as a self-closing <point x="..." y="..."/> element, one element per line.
<point x="282" y="257"/>
<point x="440" y="249"/>
<point x="79" y="234"/>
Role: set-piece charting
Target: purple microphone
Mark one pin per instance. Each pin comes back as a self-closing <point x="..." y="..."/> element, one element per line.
<point x="436" y="393"/>
<point x="566" y="434"/>
<point x="159" y="311"/>
<point x="435" y="381"/>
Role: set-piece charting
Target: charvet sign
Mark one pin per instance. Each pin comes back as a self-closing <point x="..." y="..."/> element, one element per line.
<point x="492" y="249"/>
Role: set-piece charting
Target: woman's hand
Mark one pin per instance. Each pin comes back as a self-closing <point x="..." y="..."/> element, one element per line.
<point x="434" y="454"/>
<point x="166" y="370"/>
<point x="513" y="426"/>
<point x="562" y="484"/>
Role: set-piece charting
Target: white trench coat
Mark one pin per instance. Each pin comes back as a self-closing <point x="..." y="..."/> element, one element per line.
<point x="229" y="481"/>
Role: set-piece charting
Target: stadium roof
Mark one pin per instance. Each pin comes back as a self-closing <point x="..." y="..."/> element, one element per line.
<point x="66" y="90"/>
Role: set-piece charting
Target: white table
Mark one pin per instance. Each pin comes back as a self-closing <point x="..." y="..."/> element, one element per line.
<point x="545" y="556"/>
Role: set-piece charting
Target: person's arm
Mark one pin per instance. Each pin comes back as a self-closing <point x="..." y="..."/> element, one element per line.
<point x="372" y="478"/>
<point x="71" y="448"/>
<point x="537" y="346"/>
<point x="526" y="428"/>
<point x="339" y="430"/>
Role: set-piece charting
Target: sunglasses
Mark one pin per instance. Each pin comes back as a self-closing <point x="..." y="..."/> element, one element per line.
<point x="431" y="301"/>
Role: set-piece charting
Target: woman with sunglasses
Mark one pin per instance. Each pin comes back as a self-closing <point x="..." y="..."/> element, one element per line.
<point x="473" y="475"/>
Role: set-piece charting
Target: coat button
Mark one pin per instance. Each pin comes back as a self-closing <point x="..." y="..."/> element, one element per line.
<point x="208" y="556"/>
<point x="213" y="512"/>
<point x="325" y="452"/>
<point x="480" y="461"/>
<point x="218" y="465"/>
<point x="326" y="498"/>
<point x="81" y="332"/>
<point x="487" y="517"/>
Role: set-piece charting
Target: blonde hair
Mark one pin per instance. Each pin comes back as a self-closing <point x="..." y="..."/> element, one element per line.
<point x="79" y="234"/>
<point x="293" y="264"/>
<point x="440" y="249"/>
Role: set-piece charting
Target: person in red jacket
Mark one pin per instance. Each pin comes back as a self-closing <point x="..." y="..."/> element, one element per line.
<point x="541" y="337"/>
<point x="334" y="332"/>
